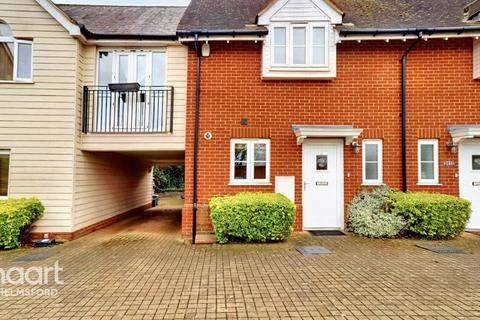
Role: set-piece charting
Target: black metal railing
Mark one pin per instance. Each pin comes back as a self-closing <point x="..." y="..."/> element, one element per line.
<point x="146" y="110"/>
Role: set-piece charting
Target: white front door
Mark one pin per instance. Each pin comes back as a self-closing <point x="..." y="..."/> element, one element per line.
<point x="469" y="170"/>
<point x="323" y="185"/>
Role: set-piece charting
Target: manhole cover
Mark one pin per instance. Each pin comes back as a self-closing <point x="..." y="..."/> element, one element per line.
<point x="312" y="250"/>
<point x="34" y="257"/>
<point x="441" y="248"/>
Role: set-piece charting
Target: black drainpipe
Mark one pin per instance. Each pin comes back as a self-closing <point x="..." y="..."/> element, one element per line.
<point x="198" y="51"/>
<point x="404" y="111"/>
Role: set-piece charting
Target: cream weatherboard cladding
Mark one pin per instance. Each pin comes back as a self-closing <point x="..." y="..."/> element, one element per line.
<point x="37" y="119"/>
<point x="40" y="124"/>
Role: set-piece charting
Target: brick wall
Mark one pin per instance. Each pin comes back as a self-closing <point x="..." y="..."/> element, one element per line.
<point x="365" y="94"/>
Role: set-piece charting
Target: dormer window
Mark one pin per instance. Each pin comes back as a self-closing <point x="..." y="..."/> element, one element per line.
<point x="299" y="45"/>
<point x="301" y="40"/>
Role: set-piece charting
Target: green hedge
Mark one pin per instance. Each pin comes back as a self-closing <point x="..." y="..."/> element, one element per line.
<point x="16" y="215"/>
<point x="432" y="215"/>
<point x="252" y="217"/>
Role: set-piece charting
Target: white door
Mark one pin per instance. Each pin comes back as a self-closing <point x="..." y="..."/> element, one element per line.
<point x="323" y="184"/>
<point x="469" y="167"/>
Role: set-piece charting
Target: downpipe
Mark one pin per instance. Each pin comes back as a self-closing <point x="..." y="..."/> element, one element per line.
<point x="198" y="51"/>
<point x="404" y="110"/>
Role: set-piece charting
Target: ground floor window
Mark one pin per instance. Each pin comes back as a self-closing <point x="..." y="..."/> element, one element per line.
<point x="428" y="161"/>
<point x="250" y="161"/>
<point x="4" y="172"/>
<point x="372" y="162"/>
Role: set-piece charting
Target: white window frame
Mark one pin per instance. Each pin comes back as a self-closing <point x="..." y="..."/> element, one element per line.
<point x="15" y="59"/>
<point x="8" y="153"/>
<point x="132" y="56"/>
<point x="379" y="144"/>
<point x="250" y="162"/>
<point x="308" y="43"/>
<point x="435" y="180"/>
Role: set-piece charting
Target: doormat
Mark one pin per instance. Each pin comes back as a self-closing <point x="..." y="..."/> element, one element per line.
<point x="322" y="233"/>
<point x="308" y="250"/>
<point x="441" y="248"/>
<point x="34" y="257"/>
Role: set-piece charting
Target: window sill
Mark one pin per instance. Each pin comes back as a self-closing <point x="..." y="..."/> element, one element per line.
<point x="432" y="184"/>
<point x="373" y="184"/>
<point x="299" y="68"/>
<point x="235" y="184"/>
<point x="14" y="81"/>
<point x="3" y="198"/>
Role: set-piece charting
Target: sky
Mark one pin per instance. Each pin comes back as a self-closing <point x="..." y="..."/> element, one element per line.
<point x="127" y="2"/>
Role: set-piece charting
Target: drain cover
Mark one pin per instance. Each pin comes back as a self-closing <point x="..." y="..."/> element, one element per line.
<point x="441" y="248"/>
<point x="34" y="257"/>
<point x="312" y="250"/>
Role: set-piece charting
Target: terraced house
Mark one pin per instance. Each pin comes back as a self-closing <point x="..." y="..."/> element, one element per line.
<point x="314" y="99"/>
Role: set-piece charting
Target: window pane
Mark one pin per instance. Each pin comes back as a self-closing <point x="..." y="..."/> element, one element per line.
<point x="105" y="68"/>
<point x="318" y="55"/>
<point x="318" y="38"/>
<point x="299" y="56"/>
<point x="299" y="52"/>
<point x="4" y="168"/>
<point x="158" y="69"/>
<point x="371" y="152"/>
<point x="428" y="172"/>
<point x="371" y="171"/>
<point x="6" y="60"/>
<point x="427" y="152"/>
<point x="240" y="152"/>
<point x="322" y="162"/>
<point x="5" y="30"/>
<point x="141" y="69"/>
<point x="260" y="171"/>
<point x="260" y="152"/>
<point x="475" y="162"/>
<point x="280" y="36"/>
<point x="123" y="68"/>
<point x="299" y="36"/>
<point x="241" y="170"/>
<point x="24" y="68"/>
<point x="280" y="55"/>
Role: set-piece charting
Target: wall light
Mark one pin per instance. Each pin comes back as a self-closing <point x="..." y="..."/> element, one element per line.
<point x="206" y="49"/>
<point x="356" y="146"/>
<point x="452" y="146"/>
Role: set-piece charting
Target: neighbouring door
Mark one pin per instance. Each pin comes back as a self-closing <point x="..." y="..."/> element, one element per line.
<point x="323" y="184"/>
<point x="469" y="170"/>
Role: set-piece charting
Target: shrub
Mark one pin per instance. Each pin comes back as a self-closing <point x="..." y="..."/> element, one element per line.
<point x="16" y="215"/>
<point x="252" y="217"/>
<point x="432" y="215"/>
<point x="369" y="215"/>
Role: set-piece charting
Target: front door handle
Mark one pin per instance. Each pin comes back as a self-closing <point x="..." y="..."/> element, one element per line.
<point x="476" y="183"/>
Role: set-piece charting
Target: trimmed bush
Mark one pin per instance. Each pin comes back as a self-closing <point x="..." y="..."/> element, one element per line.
<point x="16" y="215"/>
<point x="369" y="215"/>
<point x="252" y="217"/>
<point x="432" y="215"/>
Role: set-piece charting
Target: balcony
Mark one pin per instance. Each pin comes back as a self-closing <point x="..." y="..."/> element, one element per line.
<point x="128" y="108"/>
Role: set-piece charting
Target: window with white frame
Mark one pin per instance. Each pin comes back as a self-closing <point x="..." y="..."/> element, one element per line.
<point x="372" y="162"/>
<point x="428" y="161"/>
<point x="300" y="45"/>
<point x="250" y="161"/>
<point x="16" y="56"/>
<point x="4" y="172"/>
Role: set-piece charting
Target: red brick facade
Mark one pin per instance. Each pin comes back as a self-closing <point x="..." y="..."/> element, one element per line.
<point x="366" y="94"/>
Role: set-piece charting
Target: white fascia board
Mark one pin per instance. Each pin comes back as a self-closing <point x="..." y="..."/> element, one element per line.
<point x="396" y="36"/>
<point x="58" y="15"/>
<point x="223" y="38"/>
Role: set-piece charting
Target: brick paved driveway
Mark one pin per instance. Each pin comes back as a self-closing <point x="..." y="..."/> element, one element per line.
<point x="140" y="269"/>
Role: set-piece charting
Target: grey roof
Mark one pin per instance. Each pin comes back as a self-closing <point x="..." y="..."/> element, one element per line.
<point x="365" y="15"/>
<point x="130" y="21"/>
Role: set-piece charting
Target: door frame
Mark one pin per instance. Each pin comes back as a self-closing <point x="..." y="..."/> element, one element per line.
<point x="340" y="176"/>
<point x="462" y="170"/>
